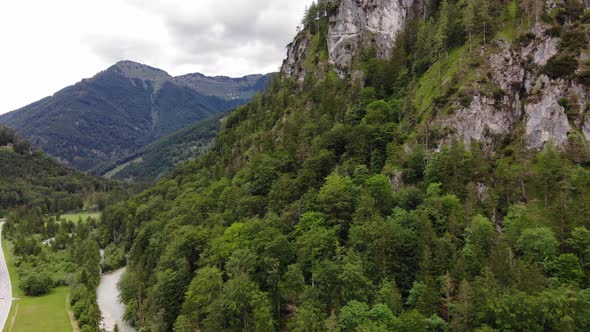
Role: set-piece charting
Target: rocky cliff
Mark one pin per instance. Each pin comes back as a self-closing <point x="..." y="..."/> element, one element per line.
<point x="545" y="109"/>
<point x="358" y="22"/>
<point x="352" y="25"/>
<point x="514" y="92"/>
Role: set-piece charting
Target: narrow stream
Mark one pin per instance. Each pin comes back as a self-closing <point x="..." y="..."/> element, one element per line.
<point x="111" y="308"/>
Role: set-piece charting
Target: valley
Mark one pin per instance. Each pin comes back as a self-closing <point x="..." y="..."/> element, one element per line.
<point x="123" y="109"/>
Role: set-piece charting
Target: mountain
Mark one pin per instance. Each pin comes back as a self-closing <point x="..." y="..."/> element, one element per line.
<point x="419" y="166"/>
<point x="123" y="109"/>
<point x="29" y="178"/>
<point x="160" y="157"/>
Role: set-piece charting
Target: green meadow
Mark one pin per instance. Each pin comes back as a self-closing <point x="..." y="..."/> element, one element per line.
<point x="49" y="313"/>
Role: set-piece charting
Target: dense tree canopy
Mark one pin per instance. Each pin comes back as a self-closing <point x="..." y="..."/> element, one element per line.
<point x="323" y="207"/>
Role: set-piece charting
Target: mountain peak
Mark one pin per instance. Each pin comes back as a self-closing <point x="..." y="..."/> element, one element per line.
<point x="132" y="69"/>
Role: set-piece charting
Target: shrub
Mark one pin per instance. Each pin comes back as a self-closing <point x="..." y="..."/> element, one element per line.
<point x="573" y="41"/>
<point x="36" y="284"/>
<point x="554" y="31"/>
<point x="560" y="66"/>
<point x="22" y="147"/>
<point x="584" y="77"/>
<point x="526" y="38"/>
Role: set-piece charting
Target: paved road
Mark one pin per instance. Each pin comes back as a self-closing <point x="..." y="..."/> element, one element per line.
<point x="5" y="286"/>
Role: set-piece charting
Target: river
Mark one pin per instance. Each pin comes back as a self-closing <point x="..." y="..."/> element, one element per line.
<point x="111" y="308"/>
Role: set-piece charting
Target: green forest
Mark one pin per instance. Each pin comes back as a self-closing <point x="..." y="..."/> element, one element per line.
<point x="30" y="178"/>
<point x="324" y="207"/>
<point x="160" y="158"/>
<point x="335" y="204"/>
<point x="51" y="252"/>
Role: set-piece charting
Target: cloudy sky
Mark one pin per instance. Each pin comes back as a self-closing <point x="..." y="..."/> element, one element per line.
<point x="48" y="45"/>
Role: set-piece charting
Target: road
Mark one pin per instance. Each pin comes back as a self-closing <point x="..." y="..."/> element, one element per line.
<point x="5" y="286"/>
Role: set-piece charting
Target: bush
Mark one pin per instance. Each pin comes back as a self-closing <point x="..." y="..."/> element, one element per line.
<point x="554" y="31"/>
<point x="584" y="77"/>
<point x="7" y="135"/>
<point x="114" y="258"/>
<point x="573" y="41"/>
<point x="526" y="38"/>
<point x="560" y="66"/>
<point x="22" y="147"/>
<point x="36" y="284"/>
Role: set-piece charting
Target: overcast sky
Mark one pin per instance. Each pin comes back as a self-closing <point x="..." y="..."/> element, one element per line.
<point x="48" y="45"/>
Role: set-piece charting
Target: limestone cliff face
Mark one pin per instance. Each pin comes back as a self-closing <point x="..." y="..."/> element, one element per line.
<point x="528" y="100"/>
<point x="353" y="24"/>
<point x="514" y="95"/>
<point x="297" y="52"/>
<point x="363" y="21"/>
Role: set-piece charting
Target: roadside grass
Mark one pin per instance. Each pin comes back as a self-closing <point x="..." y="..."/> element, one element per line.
<point x="75" y="217"/>
<point x="47" y="313"/>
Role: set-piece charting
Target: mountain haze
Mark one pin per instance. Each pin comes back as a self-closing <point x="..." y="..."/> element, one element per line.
<point x="122" y="109"/>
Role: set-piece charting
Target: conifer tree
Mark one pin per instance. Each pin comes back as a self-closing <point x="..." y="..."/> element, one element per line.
<point x="469" y="19"/>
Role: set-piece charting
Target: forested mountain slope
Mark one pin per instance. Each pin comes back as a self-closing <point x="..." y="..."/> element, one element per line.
<point x="160" y="157"/>
<point x="123" y="109"/>
<point x="418" y="166"/>
<point x="33" y="180"/>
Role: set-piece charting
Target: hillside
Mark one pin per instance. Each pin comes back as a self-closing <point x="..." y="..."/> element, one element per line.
<point x="160" y="157"/>
<point x="123" y="109"/>
<point x="29" y="178"/>
<point x="418" y="166"/>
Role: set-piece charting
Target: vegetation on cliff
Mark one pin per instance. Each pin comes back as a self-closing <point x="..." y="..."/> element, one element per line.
<point x="324" y="206"/>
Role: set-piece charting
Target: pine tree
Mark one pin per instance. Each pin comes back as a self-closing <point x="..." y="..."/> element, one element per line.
<point x="469" y="19"/>
<point x="485" y="19"/>
<point x="462" y="309"/>
<point x="442" y="32"/>
<point x="447" y="289"/>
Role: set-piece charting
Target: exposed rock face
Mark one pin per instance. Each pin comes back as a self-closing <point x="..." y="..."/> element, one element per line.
<point x="357" y="21"/>
<point x="541" y="52"/>
<point x="354" y="23"/>
<point x="545" y="119"/>
<point x="525" y="95"/>
<point x="296" y="54"/>
<point x="481" y="121"/>
<point x="512" y="93"/>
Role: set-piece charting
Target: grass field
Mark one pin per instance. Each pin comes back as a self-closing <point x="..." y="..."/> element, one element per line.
<point x="74" y="217"/>
<point x="45" y="313"/>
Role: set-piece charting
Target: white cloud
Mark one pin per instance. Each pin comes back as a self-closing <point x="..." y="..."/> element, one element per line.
<point x="48" y="45"/>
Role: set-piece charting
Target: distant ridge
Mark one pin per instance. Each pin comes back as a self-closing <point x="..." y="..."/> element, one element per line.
<point x="124" y="108"/>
